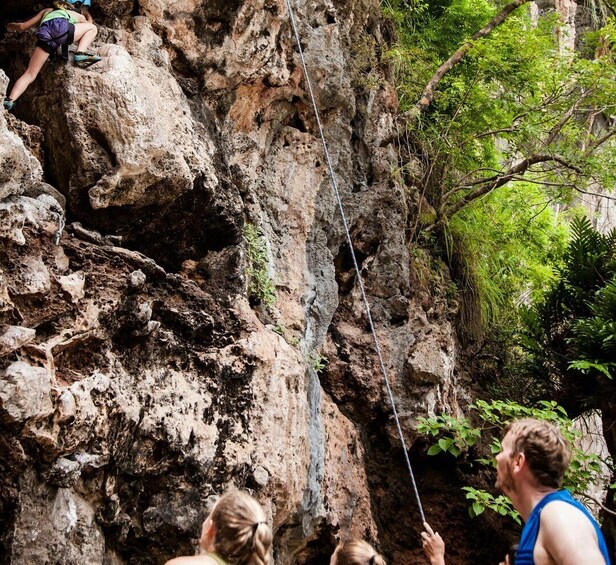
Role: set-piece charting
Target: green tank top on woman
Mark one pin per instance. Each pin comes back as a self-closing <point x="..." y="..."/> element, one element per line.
<point x="59" y="14"/>
<point x="216" y="558"/>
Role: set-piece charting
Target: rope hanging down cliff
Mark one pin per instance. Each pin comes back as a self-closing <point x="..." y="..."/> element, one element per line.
<point x="355" y="264"/>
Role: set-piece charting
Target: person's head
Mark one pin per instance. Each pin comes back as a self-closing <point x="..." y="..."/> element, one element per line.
<point x="356" y="552"/>
<point x="75" y="5"/>
<point x="62" y="5"/>
<point x="537" y="445"/>
<point x="79" y="4"/>
<point x="237" y="530"/>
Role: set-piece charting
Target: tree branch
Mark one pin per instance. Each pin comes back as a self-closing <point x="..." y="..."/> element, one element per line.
<point x="428" y="93"/>
<point x="610" y="7"/>
<point x="565" y="185"/>
<point x="497" y="181"/>
<point x="599" y="142"/>
<point x="601" y="505"/>
<point x="494" y="132"/>
<point x="561" y="123"/>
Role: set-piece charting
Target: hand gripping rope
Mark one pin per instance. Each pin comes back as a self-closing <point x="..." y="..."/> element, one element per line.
<point x="350" y="243"/>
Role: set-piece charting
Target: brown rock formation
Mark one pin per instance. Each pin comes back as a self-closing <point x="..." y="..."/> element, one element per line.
<point x="139" y="378"/>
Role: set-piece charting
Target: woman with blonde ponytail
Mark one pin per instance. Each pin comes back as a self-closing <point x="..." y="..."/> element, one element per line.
<point x="235" y="533"/>
<point x="356" y="552"/>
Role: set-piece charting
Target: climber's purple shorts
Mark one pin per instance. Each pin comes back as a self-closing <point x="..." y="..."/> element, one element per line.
<point x="54" y="34"/>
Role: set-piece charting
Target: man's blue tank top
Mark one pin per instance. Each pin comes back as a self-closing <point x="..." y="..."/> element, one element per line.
<point x="524" y="556"/>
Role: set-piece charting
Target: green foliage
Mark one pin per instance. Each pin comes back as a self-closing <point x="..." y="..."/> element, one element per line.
<point x="570" y="334"/>
<point x="515" y="96"/>
<point x="280" y="329"/>
<point x="317" y="361"/>
<point x="480" y="500"/>
<point x="514" y="239"/>
<point x="260" y="284"/>
<point x="365" y="63"/>
<point x="457" y="436"/>
<point x="507" y="96"/>
<point x="594" y="337"/>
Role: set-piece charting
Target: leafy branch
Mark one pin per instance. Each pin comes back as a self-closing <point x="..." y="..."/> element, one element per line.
<point x="457" y="436"/>
<point x="429" y="91"/>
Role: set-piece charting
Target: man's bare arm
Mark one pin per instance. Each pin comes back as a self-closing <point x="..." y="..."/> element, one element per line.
<point x="567" y="536"/>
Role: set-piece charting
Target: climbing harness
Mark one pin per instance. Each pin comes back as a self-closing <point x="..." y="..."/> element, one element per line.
<point x="355" y="264"/>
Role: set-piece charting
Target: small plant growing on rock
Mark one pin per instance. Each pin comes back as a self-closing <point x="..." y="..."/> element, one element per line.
<point x="317" y="361"/>
<point x="260" y="284"/>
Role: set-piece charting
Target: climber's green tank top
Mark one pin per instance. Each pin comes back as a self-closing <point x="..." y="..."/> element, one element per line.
<point x="216" y="558"/>
<point x="59" y="14"/>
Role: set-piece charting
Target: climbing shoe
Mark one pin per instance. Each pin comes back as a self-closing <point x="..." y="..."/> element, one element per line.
<point x="83" y="60"/>
<point x="8" y="103"/>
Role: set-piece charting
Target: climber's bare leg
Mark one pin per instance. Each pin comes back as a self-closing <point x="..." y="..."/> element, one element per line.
<point x="38" y="59"/>
<point x="85" y="33"/>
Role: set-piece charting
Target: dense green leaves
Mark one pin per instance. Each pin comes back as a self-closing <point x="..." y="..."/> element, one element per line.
<point x="570" y="334"/>
<point x="517" y="94"/>
<point x="261" y="287"/>
<point x="457" y="436"/>
<point x="515" y="240"/>
<point x="519" y="125"/>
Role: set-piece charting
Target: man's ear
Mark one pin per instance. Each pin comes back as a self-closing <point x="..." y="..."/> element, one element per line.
<point x="519" y="462"/>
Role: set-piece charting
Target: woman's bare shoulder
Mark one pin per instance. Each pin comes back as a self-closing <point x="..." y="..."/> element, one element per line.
<point x="194" y="560"/>
<point x="77" y="16"/>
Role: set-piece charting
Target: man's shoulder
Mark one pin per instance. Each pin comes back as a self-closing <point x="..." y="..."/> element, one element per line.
<point x="567" y="536"/>
<point x="560" y="518"/>
<point x="559" y="507"/>
<point x="563" y="514"/>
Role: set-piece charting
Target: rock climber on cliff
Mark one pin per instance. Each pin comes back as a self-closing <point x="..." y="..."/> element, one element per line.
<point x="59" y="27"/>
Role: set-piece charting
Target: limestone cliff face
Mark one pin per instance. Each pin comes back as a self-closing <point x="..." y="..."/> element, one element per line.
<point x="140" y="374"/>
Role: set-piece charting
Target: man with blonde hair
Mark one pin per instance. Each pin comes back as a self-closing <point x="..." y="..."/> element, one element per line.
<point x="530" y="469"/>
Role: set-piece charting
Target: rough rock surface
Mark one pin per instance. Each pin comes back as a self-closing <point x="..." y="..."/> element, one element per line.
<point x="141" y="375"/>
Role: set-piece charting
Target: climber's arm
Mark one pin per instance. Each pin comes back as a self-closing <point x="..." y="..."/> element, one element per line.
<point x="25" y="26"/>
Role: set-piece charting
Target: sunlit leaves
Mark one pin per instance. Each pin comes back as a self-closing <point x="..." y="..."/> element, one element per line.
<point x="457" y="436"/>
